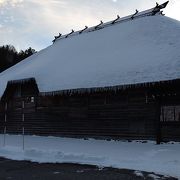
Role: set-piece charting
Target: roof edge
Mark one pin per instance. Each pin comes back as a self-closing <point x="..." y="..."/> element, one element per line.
<point x="94" y="89"/>
<point x="21" y="81"/>
<point x="109" y="88"/>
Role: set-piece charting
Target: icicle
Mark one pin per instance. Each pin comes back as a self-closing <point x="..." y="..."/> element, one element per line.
<point x="83" y="29"/>
<point x="70" y="33"/>
<point x="115" y="19"/>
<point x="98" y="25"/>
<point x="132" y="17"/>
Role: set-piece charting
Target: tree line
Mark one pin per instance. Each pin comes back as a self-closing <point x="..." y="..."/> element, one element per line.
<point x="9" y="56"/>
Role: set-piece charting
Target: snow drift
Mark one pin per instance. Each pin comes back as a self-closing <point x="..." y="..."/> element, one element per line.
<point x="141" y="50"/>
<point x="163" y="159"/>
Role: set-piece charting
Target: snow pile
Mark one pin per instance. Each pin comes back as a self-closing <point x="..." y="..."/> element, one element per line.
<point x="138" y="173"/>
<point x="141" y="50"/>
<point x="162" y="159"/>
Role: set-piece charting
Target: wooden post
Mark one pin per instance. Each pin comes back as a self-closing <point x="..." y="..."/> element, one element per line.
<point x="23" y="137"/>
<point x="4" y="142"/>
<point x="174" y="113"/>
<point x="23" y="123"/>
<point x="158" y="135"/>
<point x="5" y="120"/>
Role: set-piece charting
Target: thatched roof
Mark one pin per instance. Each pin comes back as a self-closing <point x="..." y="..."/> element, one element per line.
<point x="135" y="50"/>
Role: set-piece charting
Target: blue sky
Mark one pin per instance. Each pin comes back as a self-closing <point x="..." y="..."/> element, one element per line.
<point x="25" y="23"/>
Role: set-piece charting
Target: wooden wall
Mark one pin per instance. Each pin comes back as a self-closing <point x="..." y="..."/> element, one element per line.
<point x="124" y="114"/>
<point x="111" y="115"/>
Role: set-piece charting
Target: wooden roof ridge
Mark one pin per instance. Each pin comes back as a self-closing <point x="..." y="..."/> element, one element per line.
<point x="150" y="12"/>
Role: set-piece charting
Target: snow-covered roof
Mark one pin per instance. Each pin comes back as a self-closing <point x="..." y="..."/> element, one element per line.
<point x="145" y="49"/>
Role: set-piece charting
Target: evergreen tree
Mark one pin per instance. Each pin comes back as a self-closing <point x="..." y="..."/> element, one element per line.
<point x="9" y="56"/>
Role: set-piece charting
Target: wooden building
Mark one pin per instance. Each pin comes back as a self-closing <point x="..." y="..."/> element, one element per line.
<point x="33" y="103"/>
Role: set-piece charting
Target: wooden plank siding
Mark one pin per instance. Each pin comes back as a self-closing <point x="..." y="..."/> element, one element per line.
<point x="132" y="113"/>
<point x="96" y="115"/>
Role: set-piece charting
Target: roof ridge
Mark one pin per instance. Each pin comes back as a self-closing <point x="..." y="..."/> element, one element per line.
<point x="150" y="12"/>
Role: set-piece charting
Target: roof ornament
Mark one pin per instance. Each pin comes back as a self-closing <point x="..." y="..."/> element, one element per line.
<point x="132" y="17"/>
<point x="59" y="35"/>
<point x="56" y="37"/>
<point x="72" y="31"/>
<point x="162" y="6"/>
<point x="161" y="12"/>
<point x="115" y="19"/>
<point x="159" y="7"/>
<point x="96" y="27"/>
<point x="83" y="29"/>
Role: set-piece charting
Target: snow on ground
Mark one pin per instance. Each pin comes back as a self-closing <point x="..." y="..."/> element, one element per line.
<point x="142" y="50"/>
<point x="138" y="173"/>
<point x="163" y="159"/>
